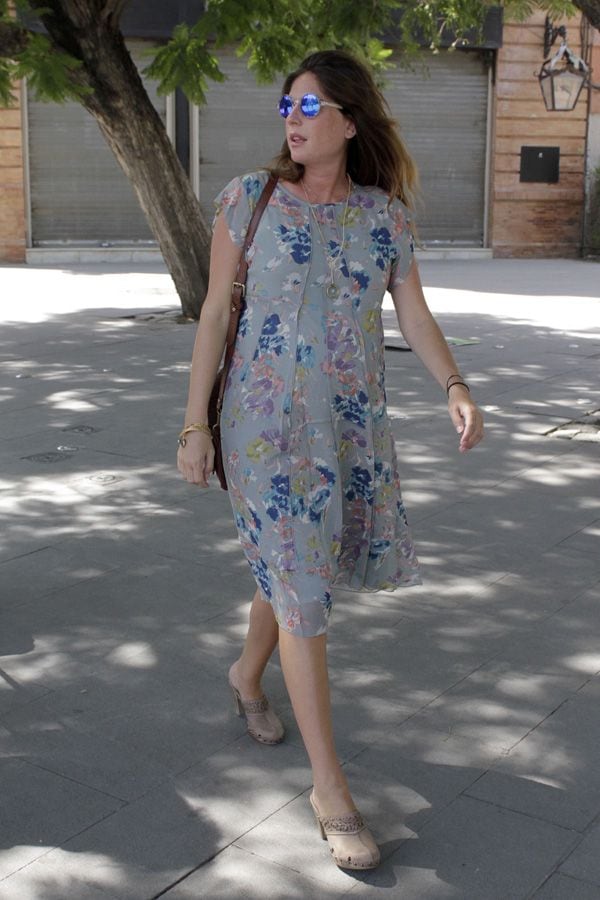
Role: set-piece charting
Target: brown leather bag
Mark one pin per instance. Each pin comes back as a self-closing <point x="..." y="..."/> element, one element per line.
<point x="238" y="292"/>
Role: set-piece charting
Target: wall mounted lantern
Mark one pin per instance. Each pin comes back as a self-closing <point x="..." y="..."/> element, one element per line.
<point x="562" y="76"/>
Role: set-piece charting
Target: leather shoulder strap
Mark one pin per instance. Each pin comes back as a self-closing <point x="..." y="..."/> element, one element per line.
<point x="238" y="288"/>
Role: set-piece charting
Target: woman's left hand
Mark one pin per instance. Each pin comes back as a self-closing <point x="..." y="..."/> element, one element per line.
<point x="467" y="418"/>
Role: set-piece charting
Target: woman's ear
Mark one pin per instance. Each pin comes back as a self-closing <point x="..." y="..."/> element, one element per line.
<point x="350" y="129"/>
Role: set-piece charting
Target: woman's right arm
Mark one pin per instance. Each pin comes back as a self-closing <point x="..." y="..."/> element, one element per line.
<point x="195" y="460"/>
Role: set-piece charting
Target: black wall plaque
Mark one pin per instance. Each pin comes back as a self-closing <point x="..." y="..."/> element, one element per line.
<point x="540" y="164"/>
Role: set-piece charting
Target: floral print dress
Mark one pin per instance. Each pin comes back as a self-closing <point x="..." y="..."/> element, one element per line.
<point x="307" y="445"/>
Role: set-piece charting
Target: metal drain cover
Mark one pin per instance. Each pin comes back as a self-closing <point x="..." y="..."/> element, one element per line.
<point x="104" y="478"/>
<point x="82" y="429"/>
<point x="50" y="457"/>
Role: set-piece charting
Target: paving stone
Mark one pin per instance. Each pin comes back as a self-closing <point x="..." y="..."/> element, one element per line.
<point x="427" y="787"/>
<point x="174" y="713"/>
<point x="87" y="759"/>
<point x="41" y="810"/>
<point x="584" y="861"/>
<point x="240" y="874"/>
<point x="36" y="574"/>
<point x="586" y="540"/>
<point x="558" y="762"/>
<point x="418" y="738"/>
<point x="500" y="703"/>
<point x="564" y="887"/>
<point x="535" y="796"/>
<point x="35" y="881"/>
<point x="476" y="850"/>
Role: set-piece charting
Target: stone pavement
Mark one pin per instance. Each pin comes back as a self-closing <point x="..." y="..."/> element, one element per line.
<point x="466" y="710"/>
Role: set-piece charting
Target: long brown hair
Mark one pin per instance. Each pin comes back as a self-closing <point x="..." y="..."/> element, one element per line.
<point x="377" y="154"/>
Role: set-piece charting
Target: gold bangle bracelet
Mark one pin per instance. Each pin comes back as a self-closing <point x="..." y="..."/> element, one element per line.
<point x="195" y="426"/>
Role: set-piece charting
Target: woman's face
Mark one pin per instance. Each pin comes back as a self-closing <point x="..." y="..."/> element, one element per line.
<point x="322" y="139"/>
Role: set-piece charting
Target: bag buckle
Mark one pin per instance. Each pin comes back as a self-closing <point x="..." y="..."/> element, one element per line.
<point x="241" y="286"/>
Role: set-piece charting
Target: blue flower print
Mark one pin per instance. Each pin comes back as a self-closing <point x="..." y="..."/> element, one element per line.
<point x="253" y="186"/>
<point x="269" y="340"/>
<point x="379" y="548"/>
<point x="277" y="499"/>
<point x="360" y="485"/>
<point x="296" y="240"/>
<point x="261" y="573"/>
<point x="361" y="279"/>
<point x="249" y="526"/>
<point x="305" y="354"/>
<point x="327" y="474"/>
<point x="243" y="324"/>
<point x="382" y="248"/>
<point x="326" y="602"/>
<point x="317" y="503"/>
<point x="353" y="409"/>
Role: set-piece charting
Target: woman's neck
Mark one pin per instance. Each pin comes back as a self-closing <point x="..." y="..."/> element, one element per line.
<point x="325" y="185"/>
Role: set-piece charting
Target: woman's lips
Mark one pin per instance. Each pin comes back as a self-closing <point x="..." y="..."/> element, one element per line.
<point x="296" y="139"/>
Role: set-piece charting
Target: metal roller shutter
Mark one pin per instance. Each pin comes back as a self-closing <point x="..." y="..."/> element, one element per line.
<point x="442" y="112"/>
<point x="240" y="128"/>
<point x="79" y="195"/>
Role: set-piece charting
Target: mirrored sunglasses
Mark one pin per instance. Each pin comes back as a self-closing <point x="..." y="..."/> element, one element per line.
<point x="310" y="105"/>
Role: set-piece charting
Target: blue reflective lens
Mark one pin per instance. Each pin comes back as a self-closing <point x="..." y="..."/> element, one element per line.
<point x="310" y="105"/>
<point x="286" y="105"/>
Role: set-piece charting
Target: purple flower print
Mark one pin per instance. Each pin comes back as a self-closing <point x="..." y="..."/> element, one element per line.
<point x="275" y="438"/>
<point x="265" y="386"/>
<point x="354" y="437"/>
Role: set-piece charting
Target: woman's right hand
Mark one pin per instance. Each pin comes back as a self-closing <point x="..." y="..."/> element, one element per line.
<point x="195" y="461"/>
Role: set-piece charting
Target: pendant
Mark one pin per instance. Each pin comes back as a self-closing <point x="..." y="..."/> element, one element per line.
<point x="332" y="291"/>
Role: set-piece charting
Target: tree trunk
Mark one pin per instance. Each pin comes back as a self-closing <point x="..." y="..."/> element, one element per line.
<point x="138" y="139"/>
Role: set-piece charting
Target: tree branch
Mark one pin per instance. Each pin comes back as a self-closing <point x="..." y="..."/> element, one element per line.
<point x="112" y="12"/>
<point x="13" y="39"/>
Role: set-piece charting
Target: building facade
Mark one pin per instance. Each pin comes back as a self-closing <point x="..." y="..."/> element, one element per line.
<point x="468" y="116"/>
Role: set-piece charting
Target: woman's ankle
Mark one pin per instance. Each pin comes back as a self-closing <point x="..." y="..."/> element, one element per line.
<point x="249" y="684"/>
<point x="332" y="785"/>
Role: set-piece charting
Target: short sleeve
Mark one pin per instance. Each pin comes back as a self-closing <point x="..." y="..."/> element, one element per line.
<point x="237" y="201"/>
<point x="402" y="242"/>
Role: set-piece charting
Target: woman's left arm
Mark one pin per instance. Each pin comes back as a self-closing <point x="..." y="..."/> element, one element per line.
<point x="425" y="338"/>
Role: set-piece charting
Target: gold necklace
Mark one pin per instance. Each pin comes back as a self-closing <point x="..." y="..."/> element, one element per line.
<point x="332" y="291"/>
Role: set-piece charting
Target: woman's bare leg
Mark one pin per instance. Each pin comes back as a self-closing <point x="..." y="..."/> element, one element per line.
<point x="261" y="640"/>
<point x="304" y="663"/>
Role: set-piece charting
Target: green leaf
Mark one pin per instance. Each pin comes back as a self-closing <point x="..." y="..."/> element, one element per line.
<point x="7" y="98"/>
<point x="184" y="62"/>
<point x="49" y="72"/>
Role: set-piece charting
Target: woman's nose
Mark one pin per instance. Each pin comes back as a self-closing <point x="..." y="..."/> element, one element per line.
<point x="295" y="114"/>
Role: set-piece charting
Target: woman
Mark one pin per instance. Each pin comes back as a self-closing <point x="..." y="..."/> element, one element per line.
<point x="310" y="459"/>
